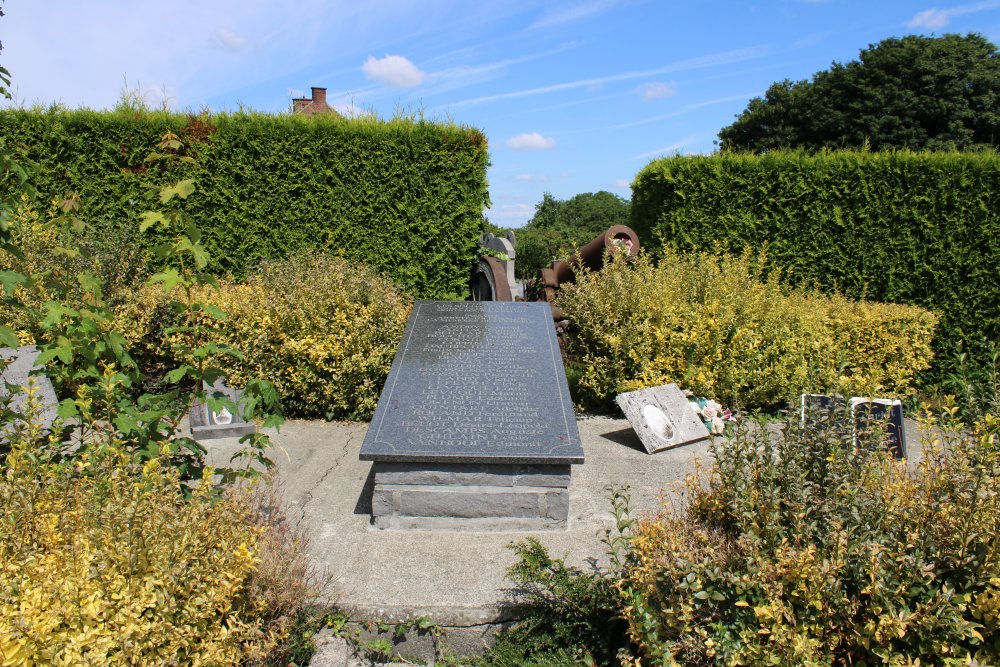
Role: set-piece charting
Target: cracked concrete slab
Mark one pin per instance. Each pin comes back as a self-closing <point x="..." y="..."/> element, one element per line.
<point x="458" y="576"/>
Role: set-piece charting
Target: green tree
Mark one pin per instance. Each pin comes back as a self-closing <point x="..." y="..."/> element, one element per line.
<point x="915" y="92"/>
<point x="559" y="227"/>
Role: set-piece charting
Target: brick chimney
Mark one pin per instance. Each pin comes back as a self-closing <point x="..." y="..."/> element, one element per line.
<point x="314" y="104"/>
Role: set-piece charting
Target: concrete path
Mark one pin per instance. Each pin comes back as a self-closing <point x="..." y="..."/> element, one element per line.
<point x="456" y="578"/>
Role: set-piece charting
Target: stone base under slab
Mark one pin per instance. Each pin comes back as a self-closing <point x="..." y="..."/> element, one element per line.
<point x="470" y="496"/>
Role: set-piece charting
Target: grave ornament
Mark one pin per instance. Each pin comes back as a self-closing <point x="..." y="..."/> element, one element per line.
<point x="208" y="424"/>
<point x="661" y="417"/>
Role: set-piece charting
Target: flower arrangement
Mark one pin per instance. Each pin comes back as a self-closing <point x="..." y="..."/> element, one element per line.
<point x="717" y="419"/>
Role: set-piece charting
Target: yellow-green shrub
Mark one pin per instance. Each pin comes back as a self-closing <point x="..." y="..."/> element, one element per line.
<point x="54" y="255"/>
<point x="104" y="560"/>
<point x="322" y="330"/>
<point x="721" y="329"/>
<point x="802" y="550"/>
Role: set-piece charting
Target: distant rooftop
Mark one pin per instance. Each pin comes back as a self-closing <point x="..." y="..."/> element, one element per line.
<point x="312" y="105"/>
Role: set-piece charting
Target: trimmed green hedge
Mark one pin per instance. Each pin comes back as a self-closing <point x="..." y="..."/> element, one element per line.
<point x="903" y="227"/>
<point x="404" y="197"/>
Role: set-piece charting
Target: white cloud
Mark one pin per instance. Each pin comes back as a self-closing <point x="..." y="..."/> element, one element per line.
<point x="531" y="141"/>
<point x="530" y="178"/>
<point x="511" y="215"/>
<point x="711" y="60"/>
<point x="687" y="109"/>
<point x="672" y="148"/>
<point x="622" y="183"/>
<point x="574" y="12"/>
<point x="656" y="90"/>
<point x="351" y="110"/>
<point x="393" y="71"/>
<point x="227" y="40"/>
<point x="934" y="19"/>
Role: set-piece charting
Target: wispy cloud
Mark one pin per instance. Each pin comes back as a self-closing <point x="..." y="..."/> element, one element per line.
<point x="656" y="90"/>
<point x="531" y="141"/>
<point x="935" y="19"/>
<point x="687" y="108"/>
<point x="227" y="40"/>
<point x="568" y="13"/>
<point x="393" y="71"/>
<point x="621" y="184"/>
<point x="510" y="215"/>
<point x="712" y="60"/>
<point x="530" y="178"/>
<point x="672" y="148"/>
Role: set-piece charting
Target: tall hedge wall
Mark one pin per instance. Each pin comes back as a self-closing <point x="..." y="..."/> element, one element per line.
<point x="903" y="227"/>
<point x="403" y="196"/>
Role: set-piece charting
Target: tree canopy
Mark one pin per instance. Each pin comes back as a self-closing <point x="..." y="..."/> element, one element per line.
<point x="560" y="226"/>
<point x="915" y="92"/>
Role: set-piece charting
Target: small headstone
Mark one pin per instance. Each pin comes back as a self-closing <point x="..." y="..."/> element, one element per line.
<point x="20" y="366"/>
<point x="860" y="415"/>
<point x="207" y="424"/>
<point x="662" y="417"/>
<point x="817" y="407"/>
<point x="883" y="414"/>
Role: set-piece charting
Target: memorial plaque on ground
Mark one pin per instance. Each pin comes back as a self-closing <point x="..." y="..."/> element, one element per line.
<point x="476" y="382"/>
<point x="475" y="426"/>
<point x="661" y="417"/>
<point x="17" y="366"/>
<point x="207" y="424"/>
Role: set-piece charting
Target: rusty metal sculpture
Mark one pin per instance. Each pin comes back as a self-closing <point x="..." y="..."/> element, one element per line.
<point x="563" y="271"/>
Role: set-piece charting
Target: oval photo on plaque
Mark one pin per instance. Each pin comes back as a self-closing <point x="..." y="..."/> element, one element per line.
<point x="658" y="423"/>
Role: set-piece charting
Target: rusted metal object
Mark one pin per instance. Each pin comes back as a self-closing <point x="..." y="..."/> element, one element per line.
<point x="591" y="256"/>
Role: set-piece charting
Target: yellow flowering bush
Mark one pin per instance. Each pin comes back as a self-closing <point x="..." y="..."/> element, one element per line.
<point x="802" y="550"/>
<point x="105" y="559"/>
<point x="322" y="330"/>
<point x="720" y="328"/>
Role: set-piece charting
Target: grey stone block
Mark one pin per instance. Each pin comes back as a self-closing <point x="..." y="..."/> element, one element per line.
<point x="484" y="524"/>
<point x="471" y="502"/>
<point x="469" y="474"/>
<point x="557" y="505"/>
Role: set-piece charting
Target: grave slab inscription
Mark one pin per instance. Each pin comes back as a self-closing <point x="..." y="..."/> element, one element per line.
<point x="474" y="384"/>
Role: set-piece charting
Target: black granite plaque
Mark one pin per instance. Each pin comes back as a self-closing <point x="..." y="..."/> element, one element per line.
<point x="476" y="382"/>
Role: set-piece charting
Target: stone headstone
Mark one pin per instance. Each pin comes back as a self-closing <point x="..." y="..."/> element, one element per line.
<point x="475" y="425"/>
<point x="661" y="417"/>
<point x="493" y="277"/>
<point x="17" y="369"/>
<point x="881" y="414"/>
<point x="816" y="407"/>
<point x="860" y="416"/>
<point x="207" y="424"/>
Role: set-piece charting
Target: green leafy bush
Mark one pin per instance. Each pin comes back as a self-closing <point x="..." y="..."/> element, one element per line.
<point x="803" y="550"/>
<point x="720" y="328"/>
<point x="107" y="560"/>
<point x="403" y="196"/>
<point x="323" y="331"/>
<point x="899" y="227"/>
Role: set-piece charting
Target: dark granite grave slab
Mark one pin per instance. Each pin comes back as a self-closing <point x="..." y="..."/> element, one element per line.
<point x="476" y="382"/>
<point x="883" y="416"/>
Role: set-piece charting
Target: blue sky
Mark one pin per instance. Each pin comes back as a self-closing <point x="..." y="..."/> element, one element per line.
<point x="573" y="96"/>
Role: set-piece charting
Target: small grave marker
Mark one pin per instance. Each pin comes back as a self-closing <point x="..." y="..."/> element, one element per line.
<point x="210" y="425"/>
<point x="19" y="371"/>
<point x="860" y="415"/>
<point x="661" y="417"/>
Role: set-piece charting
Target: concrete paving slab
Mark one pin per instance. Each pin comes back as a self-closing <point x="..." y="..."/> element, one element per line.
<point x="457" y="577"/>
